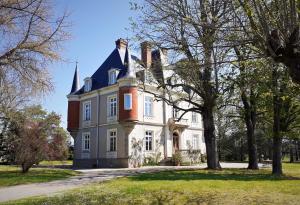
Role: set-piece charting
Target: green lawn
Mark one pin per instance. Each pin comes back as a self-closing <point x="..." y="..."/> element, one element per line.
<point x="230" y="186"/>
<point x="11" y="175"/>
<point x="56" y="163"/>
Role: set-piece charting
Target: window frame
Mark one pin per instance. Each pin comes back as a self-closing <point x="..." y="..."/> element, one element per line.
<point x="87" y="84"/>
<point x="109" y="137"/>
<point x="194" y="118"/>
<point x="112" y="111"/>
<point x="112" y="81"/>
<point x="84" y="140"/>
<point x="84" y="111"/>
<point x="130" y="101"/>
<point x="149" y="143"/>
<point x="150" y="105"/>
<point x="195" y="143"/>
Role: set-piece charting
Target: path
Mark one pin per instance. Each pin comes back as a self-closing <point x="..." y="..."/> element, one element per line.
<point x="89" y="176"/>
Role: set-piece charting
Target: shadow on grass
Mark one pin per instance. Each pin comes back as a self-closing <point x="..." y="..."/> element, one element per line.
<point x="225" y="174"/>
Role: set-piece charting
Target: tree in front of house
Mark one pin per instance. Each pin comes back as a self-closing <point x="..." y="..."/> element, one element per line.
<point x="39" y="137"/>
<point x="191" y="30"/>
<point x="273" y="28"/>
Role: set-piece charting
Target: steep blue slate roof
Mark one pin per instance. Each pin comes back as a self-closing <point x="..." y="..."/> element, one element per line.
<point x="75" y="84"/>
<point x="114" y="60"/>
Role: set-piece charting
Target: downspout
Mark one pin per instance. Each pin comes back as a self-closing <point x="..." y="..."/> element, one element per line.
<point x="98" y="147"/>
<point x="165" y="127"/>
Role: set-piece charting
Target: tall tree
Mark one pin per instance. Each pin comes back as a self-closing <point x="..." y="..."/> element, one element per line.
<point x="250" y="82"/>
<point x="31" y="38"/>
<point x="191" y="30"/>
<point x="273" y="28"/>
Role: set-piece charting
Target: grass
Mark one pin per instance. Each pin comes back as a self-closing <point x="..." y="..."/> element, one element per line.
<point x="11" y="175"/>
<point x="229" y="186"/>
<point x="56" y="163"/>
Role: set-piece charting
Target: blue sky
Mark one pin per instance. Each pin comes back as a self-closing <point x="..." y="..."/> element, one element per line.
<point x="96" y="24"/>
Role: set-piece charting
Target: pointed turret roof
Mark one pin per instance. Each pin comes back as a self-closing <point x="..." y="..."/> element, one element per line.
<point x="75" y="85"/>
<point x="119" y="59"/>
<point x="128" y="64"/>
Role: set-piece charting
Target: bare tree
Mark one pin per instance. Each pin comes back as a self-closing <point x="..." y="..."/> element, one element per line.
<point x="31" y="38"/>
<point x="273" y="28"/>
<point x="191" y="30"/>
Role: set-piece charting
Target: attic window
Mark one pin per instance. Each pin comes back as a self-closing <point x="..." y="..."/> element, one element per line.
<point x="87" y="84"/>
<point x="112" y="76"/>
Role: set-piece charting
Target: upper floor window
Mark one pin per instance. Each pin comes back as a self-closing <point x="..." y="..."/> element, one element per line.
<point x="194" y="117"/>
<point x="112" y="140"/>
<point x="87" y="84"/>
<point x="148" y="106"/>
<point x="112" y="106"/>
<point x="195" y="142"/>
<point x="148" y="140"/>
<point x="87" y="111"/>
<point x="112" y="76"/>
<point x="127" y="101"/>
<point x="86" y="141"/>
<point x="175" y="113"/>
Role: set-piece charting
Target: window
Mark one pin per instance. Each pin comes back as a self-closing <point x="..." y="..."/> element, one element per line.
<point x="112" y="137"/>
<point x="87" y="84"/>
<point x="175" y="113"/>
<point x="148" y="106"/>
<point x="112" y="106"/>
<point x="86" y="141"/>
<point x="112" y="76"/>
<point x="127" y="101"/>
<point x="148" y="140"/>
<point x="195" y="144"/>
<point x="87" y="111"/>
<point x="194" y="117"/>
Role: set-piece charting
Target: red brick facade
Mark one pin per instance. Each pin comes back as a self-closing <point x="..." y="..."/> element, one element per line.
<point x="128" y="115"/>
<point x="73" y="115"/>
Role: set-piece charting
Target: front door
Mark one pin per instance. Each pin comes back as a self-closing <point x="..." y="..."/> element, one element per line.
<point x="175" y="142"/>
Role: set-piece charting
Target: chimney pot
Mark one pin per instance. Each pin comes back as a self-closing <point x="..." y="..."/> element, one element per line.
<point x="121" y="43"/>
<point x="146" y="54"/>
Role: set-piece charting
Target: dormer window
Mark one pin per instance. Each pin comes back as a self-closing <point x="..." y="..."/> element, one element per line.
<point x="112" y="76"/>
<point x="87" y="84"/>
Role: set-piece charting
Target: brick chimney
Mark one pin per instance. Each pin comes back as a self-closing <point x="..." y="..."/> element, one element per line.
<point x="121" y="43"/>
<point x="146" y="54"/>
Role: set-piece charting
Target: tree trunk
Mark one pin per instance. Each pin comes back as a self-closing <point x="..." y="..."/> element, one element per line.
<point x="210" y="138"/>
<point x="277" y="141"/>
<point x="25" y="168"/>
<point x="250" y="120"/>
<point x="297" y="150"/>
<point x="291" y="154"/>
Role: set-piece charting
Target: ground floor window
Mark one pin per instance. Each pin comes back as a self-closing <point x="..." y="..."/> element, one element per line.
<point x="148" y="140"/>
<point x="195" y="141"/>
<point x="112" y="139"/>
<point x="86" y="141"/>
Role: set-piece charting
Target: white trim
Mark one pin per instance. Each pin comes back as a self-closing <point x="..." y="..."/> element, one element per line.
<point x="130" y="101"/>
<point x="111" y="154"/>
<point x="108" y="111"/>
<point x="153" y="140"/>
<point x="152" y="106"/>
<point x="84" y="134"/>
<point x="87" y="84"/>
<point x="116" y="72"/>
<point x="84" y="103"/>
<point x="195" y="145"/>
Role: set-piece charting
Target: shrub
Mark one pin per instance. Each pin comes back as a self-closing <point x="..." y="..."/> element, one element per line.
<point x="177" y="158"/>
